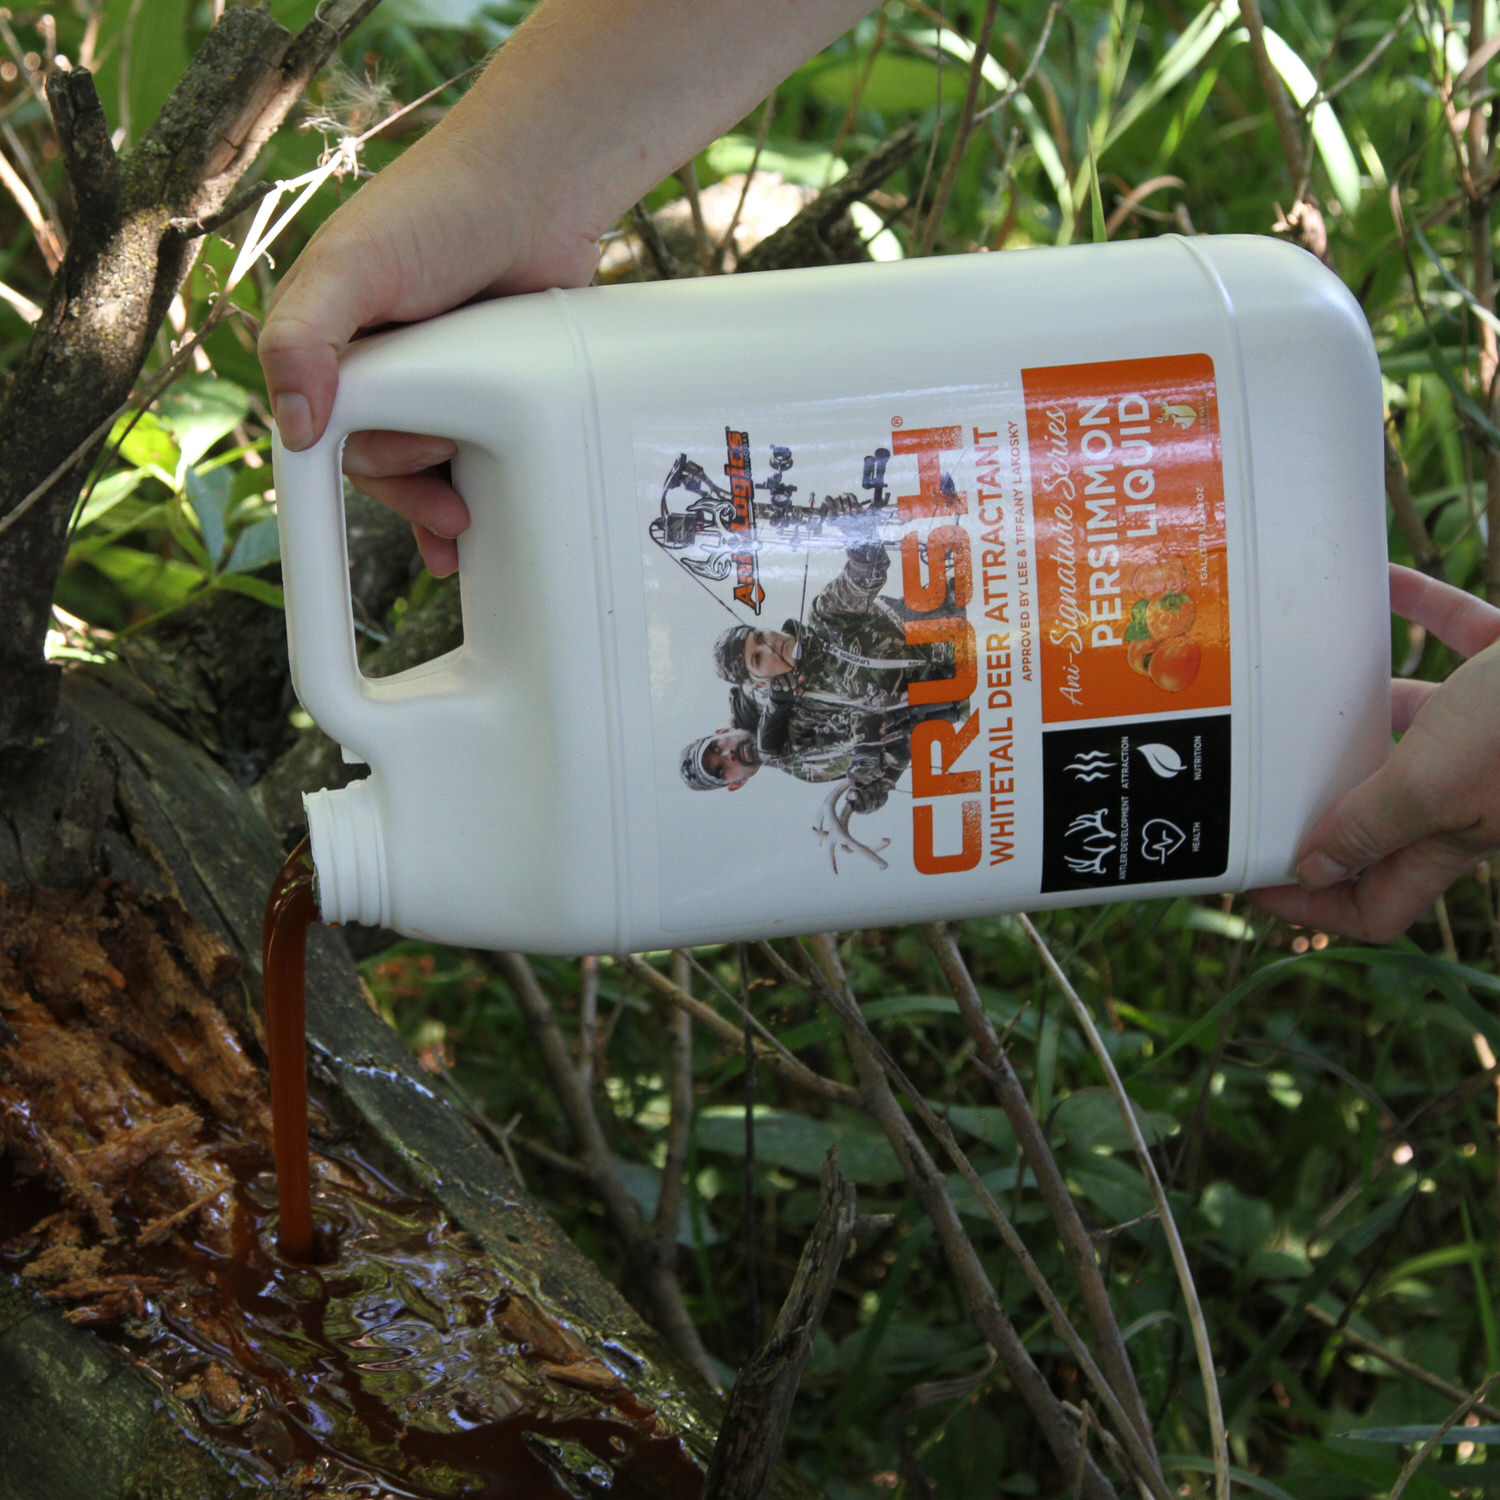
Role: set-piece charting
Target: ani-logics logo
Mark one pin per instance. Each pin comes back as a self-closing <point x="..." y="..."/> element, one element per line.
<point x="747" y="589"/>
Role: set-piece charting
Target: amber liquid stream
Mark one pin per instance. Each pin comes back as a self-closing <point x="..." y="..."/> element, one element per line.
<point x="291" y="909"/>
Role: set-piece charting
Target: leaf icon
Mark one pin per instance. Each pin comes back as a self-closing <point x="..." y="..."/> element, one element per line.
<point x="1162" y="759"/>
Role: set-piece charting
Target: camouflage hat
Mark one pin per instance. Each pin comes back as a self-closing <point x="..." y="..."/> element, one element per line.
<point x="694" y="772"/>
<point x="729" y="654"/>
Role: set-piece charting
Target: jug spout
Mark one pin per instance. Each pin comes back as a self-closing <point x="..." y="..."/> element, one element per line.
<point x="348" y="854"/>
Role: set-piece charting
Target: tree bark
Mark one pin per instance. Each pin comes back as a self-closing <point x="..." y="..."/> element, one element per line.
<point x="137" y="218"/>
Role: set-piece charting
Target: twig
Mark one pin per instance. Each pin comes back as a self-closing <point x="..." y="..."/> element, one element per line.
<point x="679" y="1027"/>
<point x="1288" y="124"/>
<point x="1397" y="28"/>
<point x="1415" y="1462"/>
<point x="775" y="1057"/>
<point x="588" y="1017"/>
<point x="1020" y="85"/>
<point x="1398" y="1362"/>
<point x="660" y="1281"/>
<point x="752" y="1201"/>
<point x="754" y="1425"/>
<point x="762" y="134"/>
<point x="926" y="1182"/>
<point x="965" y="130"/>
<point x="857" y="93"/>
<point x="1213" y="1407"/>
<point x="656" y="247"/>
<point x="1404" y="509"/>
<point x="1134" y="198"/>
<point x="1078" y="1244"/>
<point x="687" y="175"/>
<point x="47" y="239"/>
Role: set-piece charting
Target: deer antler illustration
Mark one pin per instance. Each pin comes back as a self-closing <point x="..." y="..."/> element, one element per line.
<point x="843" y="841"/>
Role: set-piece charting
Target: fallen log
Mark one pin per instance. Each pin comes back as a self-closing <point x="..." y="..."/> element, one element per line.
<point x="452" y="1342"/>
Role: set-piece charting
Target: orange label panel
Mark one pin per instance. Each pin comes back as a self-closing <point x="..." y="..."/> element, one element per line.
<point x="1128" y="508"/>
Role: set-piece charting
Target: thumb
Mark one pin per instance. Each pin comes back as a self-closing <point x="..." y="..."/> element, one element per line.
<point x="1381" y="815"/>
<point x="300" y="361"/>
<point x="327" y="296"/>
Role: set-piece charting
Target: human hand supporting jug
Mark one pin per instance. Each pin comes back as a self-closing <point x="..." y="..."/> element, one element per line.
<point x="1390" y="847"/>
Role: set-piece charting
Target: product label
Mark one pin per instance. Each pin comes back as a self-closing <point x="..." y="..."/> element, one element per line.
<point x="980" y="636"/>
<point x="1129" y="505"/>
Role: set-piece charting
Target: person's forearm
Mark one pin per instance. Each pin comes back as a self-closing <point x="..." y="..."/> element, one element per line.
<point x="593" y="102"/>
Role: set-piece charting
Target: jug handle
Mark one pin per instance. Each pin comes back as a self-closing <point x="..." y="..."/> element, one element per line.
<point x="347" y="705"/>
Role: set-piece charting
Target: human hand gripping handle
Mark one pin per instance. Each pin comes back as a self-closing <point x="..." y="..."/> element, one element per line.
<point x="1391" y="846"/>
<point x="588" y="105"/>
<point x="420" y="238"/>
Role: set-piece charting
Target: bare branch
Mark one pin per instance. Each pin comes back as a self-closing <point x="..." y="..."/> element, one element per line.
<point x="660" y="1282"/>
<point x="760" y="1404"/>
<point x="1404" y="509"/>
<point x="679" y="1027"/>
<point x="1288" y="122"/>
<point x="1213" y="1409"/>
<point x="966" y="122"/>
<point x="781" y="1062"/>
<point x="656" y="247"/>
<point x="926" y="1181"/>
<point x="1078" y="1244"/>
<point x="26" y="200"/>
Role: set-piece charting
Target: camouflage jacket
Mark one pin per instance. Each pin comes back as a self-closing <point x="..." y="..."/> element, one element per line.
<point x="844" y="711"/>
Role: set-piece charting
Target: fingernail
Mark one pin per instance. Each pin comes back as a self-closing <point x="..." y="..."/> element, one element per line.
<point x="293" y="413"/>
<point x="1317" y="871"/>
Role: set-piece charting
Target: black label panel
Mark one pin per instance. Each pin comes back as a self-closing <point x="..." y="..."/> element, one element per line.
<point x="1127" y="803"/>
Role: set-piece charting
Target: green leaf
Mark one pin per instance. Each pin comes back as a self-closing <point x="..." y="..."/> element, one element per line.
<point x="1096" y="197"/>
<point x="1328" y="1266"/>
<point x="258" y="544"/>
<point x="643" y="1184"/>
<point x="253" y="587"/>
<point x="895" y="84"/>
<point x="108" y="493"/>
<point x="1328" y="135"/>
<point x="156" y="582"/>
<point x="796" y="161"/>
<point x="143" y="51"/>
<point x="445" y="15"/>
<point x="1192" y="1464"/>
<point x="208" y="494"/>
<point x="199" y="411"/>
<point x="1118" y="1191"/>
<point x="1089" y="1119"/>
<point x="799" y="1144"/>
<point x="146" y="443"/>
<point x="1180" y="60"/>
<point x="1488" y="1432"/>
<point x="1243" y="1224"/>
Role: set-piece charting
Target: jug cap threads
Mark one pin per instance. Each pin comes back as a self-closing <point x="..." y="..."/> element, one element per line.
<point x="348" y="853"/>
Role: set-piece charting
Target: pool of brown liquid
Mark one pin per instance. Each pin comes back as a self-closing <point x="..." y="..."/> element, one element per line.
<point x="393" y="1358"/>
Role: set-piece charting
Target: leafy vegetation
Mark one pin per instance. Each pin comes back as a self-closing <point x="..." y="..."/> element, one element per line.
<point x="1323" y="1117"/>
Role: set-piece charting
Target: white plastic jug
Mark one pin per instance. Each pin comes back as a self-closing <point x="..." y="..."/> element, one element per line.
<point x="863" y="595"/>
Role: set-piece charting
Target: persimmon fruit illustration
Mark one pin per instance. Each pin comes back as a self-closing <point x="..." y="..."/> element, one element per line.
<point x="1165" y="575"/>
<point x="1175" y="662"/>
<point x="1170" y="614"/>
<point x="1138" y="654"/>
